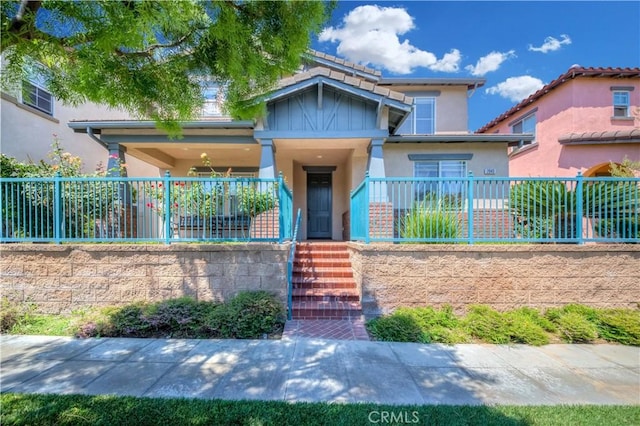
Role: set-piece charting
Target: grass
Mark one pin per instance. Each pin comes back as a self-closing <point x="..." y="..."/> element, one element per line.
<point x="572" y="323"/>
<point x="18" y="409"/>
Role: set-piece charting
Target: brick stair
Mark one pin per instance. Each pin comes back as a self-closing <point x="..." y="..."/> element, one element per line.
<point x="323" y="283"/>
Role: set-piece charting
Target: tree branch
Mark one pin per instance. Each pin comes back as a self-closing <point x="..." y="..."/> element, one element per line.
<point x="149" y="50"/>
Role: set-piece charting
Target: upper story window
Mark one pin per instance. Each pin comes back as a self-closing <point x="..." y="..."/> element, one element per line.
<point x="525" y="125"/>
<point x="213" y="100"/>
<point x="36" y="96"/>
<point x="422" y="120"/>
<point x="621" y="103"/>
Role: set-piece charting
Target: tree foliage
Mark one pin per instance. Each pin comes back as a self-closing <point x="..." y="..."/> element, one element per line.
<point x="150" y="57"/>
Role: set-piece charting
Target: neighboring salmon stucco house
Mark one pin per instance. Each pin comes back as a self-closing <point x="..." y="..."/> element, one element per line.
<point x="325" y="128"/>
<point x="582" y="121"/>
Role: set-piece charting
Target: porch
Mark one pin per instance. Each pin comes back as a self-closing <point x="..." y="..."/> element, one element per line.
<point x="400" y="210"/>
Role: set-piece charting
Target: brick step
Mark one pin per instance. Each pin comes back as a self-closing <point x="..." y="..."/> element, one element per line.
<point x="317" y="255"/>
<point x="322" y="263"/>
<point x="312" y="272"/>
<point x="326" y="294"/>
<point x="326" y="310"/>
<point x="321" y="247"/>
<point x="322" y="282"/>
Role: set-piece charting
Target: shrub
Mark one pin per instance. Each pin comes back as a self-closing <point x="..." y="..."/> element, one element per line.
<point x="13" y="314"/>
<point x="256" y="313"/>
<point x="252" y="201"/>
<point x="398" y="327"/>
<point x="429" y="221"/>
<point x="575" y="328"/>
<point x="486" y="324"/>
<point x="526" y="325"/>
<point x="441" y="326"/>
<point x="620" y="325"/>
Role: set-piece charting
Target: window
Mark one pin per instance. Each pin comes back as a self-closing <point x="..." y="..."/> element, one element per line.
<point x="37" y="97"/>
<point x="227" y="204"/>
<point x="445" y="187"/>
<point x="213" y="100"/>
<point x="525" y="125"/>
<point x="621" y="104"/>
<point x="421" y="121"/>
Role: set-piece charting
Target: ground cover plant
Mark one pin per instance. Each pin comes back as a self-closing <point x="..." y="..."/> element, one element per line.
<point x="20" y="409"/>
<point x="572" y="323"/>
<point x="248" y="315"/>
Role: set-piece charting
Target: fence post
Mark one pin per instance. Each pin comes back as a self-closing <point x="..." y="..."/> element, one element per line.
<point x="367" y="207"/>
<point x="57" y="208"/>
<point x="280" y="208"/>
<point x="579" y="207"/>
<point x="470" y="208"/>
<point x="168" y="231"/>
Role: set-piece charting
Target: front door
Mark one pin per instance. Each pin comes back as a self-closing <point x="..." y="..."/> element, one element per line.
<point x="319" y="205"/>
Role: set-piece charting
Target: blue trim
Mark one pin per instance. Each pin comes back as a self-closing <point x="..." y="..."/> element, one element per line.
<point x="339" y="134"/>
<point x="432" y="157"/>
<point x="289" y="90"/>
<point x="184" y="139"/>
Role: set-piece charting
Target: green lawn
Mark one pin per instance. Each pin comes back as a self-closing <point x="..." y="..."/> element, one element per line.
<point x="18" y="409"/>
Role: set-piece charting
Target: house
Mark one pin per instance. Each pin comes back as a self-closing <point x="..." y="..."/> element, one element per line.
<point x="31" y="118"/>
<point x="326" y="128"/>
<point x="582" y="121"/>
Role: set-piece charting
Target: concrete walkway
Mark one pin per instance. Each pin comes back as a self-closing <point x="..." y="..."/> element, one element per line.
<point x="304" y="369"/>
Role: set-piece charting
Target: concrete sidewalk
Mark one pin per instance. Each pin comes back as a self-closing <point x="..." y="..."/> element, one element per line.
<point x="306" y="369"/>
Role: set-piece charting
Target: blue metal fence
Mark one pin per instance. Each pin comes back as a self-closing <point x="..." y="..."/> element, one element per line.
<point x="468" y="210"/>
<point x="292" y="253"/>
<point x="163" y="209"/>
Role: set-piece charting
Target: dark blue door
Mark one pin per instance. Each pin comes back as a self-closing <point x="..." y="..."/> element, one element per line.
<point x="319" y="205"/>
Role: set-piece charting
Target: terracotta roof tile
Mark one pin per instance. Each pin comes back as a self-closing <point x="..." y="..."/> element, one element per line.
<point x="574" y="72"/>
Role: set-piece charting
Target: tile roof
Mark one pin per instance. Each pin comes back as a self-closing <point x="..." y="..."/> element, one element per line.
<point x="342" y="62"/>
<point x="612" y="136"/>
<point x="346" y="79"/>
<point x="573" y="72"/>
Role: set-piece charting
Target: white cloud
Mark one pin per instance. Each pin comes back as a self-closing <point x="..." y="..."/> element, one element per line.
<point x="550" y="44"/>
<point x="369" y="36"/>
<point x="490" y="62"/>
<point x="516" y="88"/>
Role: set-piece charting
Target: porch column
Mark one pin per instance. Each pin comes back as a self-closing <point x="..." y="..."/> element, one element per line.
<point x="116" y="158"/>
<point x="121" y="223"/>
<point x="380" y="209"/>
<point x="267" y="159"/>
<point x="375" y="167"/>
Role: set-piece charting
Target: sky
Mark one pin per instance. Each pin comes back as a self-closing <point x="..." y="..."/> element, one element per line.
<point x="516" y="46"/>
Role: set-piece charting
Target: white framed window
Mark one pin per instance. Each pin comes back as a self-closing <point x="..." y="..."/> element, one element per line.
<point x="422" y="120"/>
<point x="36" y="96"/>
<point x="445" y="183"/>
<point x="213" y="100"/>
<point x="525" y="125"/>
<point x="621" y="103"/>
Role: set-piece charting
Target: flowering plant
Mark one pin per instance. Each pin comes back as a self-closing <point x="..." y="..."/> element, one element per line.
<point x="186" y="198"/>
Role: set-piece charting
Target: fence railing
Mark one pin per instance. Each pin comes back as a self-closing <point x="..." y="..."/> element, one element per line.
<point x="163" y="209"/>
<point x="292" y="254"/>
<point x="468" y="210"/>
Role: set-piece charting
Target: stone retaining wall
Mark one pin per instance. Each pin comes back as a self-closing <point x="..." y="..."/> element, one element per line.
<point x="503" y="276"/>
<point x="60" y="278"/>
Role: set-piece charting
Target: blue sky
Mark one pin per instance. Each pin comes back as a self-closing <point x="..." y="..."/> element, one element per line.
<point x="516" y="46"/>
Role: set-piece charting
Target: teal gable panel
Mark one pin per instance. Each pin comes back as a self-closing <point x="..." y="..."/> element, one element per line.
<point x="337" y="111"/>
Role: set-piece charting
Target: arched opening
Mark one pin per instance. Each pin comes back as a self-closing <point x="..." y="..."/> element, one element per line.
<point x="599" y="170"/>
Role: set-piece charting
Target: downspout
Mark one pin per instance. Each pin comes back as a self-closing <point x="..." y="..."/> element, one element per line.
<point x="95" y="138"/>
<point x="475" y="86"/>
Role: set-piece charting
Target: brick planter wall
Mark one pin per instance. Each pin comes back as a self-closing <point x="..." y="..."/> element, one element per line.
<point x="60" y="278"/>
<point x="503" y="276"/>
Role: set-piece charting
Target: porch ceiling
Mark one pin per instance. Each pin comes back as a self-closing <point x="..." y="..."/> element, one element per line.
<point x="320" y="151"/>
<point x="166" y="155"/>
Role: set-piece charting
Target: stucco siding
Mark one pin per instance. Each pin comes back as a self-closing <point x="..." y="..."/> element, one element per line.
<point x="485" y="156"/>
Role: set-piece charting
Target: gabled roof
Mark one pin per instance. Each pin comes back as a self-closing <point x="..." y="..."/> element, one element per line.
<point x="342" y="65"/>
<point x="470" y="83"/>
<point x="574" y="72"/>
<point x="343" y="78"/>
